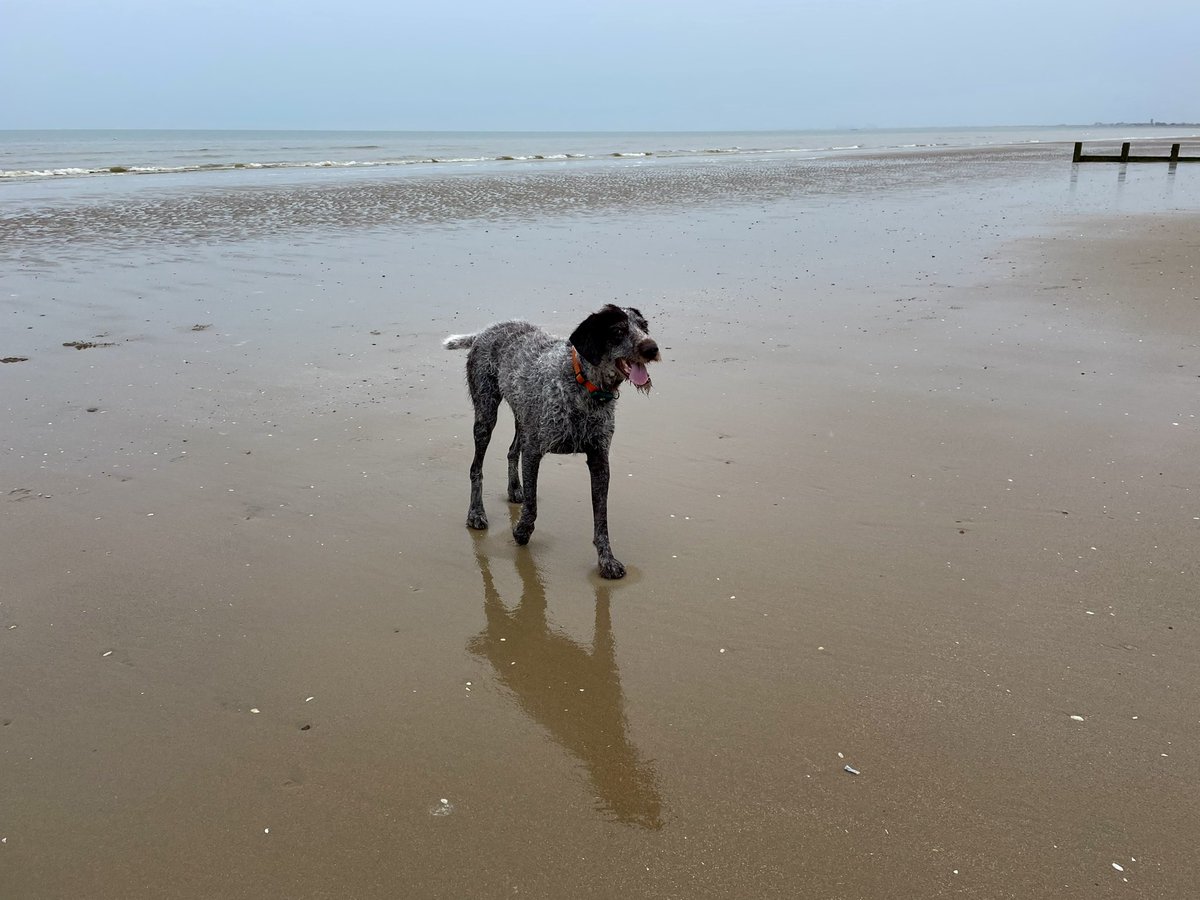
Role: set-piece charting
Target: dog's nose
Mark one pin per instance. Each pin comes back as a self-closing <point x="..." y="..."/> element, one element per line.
<point x="649" y="350"/>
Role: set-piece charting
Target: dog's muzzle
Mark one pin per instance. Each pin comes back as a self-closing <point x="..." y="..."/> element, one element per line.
<point x="634" y="370"/>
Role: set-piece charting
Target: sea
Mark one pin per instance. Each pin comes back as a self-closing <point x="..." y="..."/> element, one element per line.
<point x="130" y="187"/>
<point x="215" y="157"/>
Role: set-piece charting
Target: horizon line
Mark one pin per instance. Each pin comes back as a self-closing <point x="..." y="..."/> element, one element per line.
<point x="1154" y="123"/>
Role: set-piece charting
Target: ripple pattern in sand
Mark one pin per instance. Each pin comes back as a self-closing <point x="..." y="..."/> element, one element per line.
<point x="182" y="217"/>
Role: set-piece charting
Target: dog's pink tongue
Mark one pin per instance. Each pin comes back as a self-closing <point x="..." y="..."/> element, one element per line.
<point x="638" y="374"/>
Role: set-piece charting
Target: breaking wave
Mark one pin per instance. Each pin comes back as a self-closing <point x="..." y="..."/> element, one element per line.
<point x="206" y="161"/>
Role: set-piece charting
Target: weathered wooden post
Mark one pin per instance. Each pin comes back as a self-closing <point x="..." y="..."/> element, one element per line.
<point x="1126" y="157"/>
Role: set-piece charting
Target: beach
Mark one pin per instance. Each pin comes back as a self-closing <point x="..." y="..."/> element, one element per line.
<point x="910" y="520"/>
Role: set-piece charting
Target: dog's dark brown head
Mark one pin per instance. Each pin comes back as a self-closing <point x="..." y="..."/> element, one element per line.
<point x="616" y="340"/>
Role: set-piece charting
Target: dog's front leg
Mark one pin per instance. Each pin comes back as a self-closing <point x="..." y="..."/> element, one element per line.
<point x="610" y="566"/>
<point x="530" y="461"/>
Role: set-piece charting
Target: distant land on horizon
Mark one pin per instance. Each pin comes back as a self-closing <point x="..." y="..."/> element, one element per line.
<point x="1151" y="124"/>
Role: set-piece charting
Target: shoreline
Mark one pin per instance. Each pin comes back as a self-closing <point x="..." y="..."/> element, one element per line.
<point x="32" y="156"/>
<point x="191" y="213"/>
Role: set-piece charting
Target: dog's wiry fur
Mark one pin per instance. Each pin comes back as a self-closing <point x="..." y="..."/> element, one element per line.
<point x="533" y="371"/>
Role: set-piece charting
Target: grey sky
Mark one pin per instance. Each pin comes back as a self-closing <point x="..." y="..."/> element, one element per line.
<point x="595" y="65"/>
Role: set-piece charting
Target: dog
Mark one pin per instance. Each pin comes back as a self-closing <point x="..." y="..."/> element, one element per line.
<point x="563" y="396"/>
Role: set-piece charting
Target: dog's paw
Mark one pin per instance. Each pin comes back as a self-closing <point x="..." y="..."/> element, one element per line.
<point x="516" y="495"/>
<point x="477" y="519"/>
<point x="522" y="532"/>
<point x="611" y="568"/>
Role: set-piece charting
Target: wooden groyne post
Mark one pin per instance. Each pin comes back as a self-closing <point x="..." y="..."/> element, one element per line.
<point x="1126" y="157"/>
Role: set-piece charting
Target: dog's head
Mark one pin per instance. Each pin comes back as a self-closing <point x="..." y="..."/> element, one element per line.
<point x="616" y="340"/>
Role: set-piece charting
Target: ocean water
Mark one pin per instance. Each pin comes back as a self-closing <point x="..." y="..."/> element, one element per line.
<point x="116" y="189"/>
<point x="36" y="156"/>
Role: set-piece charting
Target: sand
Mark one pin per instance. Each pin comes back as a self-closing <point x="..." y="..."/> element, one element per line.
<point x="915" y="493"/>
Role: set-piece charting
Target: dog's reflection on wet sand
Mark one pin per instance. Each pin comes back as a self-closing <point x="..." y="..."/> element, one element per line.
<point x="571" y="690"/>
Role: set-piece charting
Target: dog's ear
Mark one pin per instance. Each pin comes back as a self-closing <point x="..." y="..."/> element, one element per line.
<point x="594" y="335"/>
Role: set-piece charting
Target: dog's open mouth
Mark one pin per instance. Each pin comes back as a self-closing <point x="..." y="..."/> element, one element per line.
<point x="635" y="372"/>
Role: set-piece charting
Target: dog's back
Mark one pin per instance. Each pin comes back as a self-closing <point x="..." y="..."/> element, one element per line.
<point x="504" y="354"/>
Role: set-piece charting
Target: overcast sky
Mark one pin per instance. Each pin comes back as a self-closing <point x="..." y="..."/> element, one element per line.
<point x="594" y="64"/>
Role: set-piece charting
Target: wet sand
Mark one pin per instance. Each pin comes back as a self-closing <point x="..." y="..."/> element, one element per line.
<point x="914" y="493"/>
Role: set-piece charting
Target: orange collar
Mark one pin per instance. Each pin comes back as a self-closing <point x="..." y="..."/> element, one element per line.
<point x="598" y="392"/>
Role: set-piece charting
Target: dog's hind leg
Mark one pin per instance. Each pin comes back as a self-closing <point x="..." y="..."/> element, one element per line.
<point x="531" y="460"/>
<point x="487" y="403"/>
<point x="514" y="469"/>
<point x="610" y="566"/>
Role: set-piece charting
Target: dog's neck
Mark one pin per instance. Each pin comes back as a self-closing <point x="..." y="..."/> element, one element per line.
<point x="594" y="391"/>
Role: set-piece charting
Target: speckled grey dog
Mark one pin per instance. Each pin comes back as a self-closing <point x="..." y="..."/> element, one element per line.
<point x="563" y="395"/>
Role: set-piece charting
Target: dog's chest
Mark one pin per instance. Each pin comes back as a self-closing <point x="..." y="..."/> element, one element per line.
<point x="577" y="425"/>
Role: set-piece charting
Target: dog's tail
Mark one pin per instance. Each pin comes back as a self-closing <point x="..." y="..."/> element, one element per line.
<point x="458" y="341"/>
